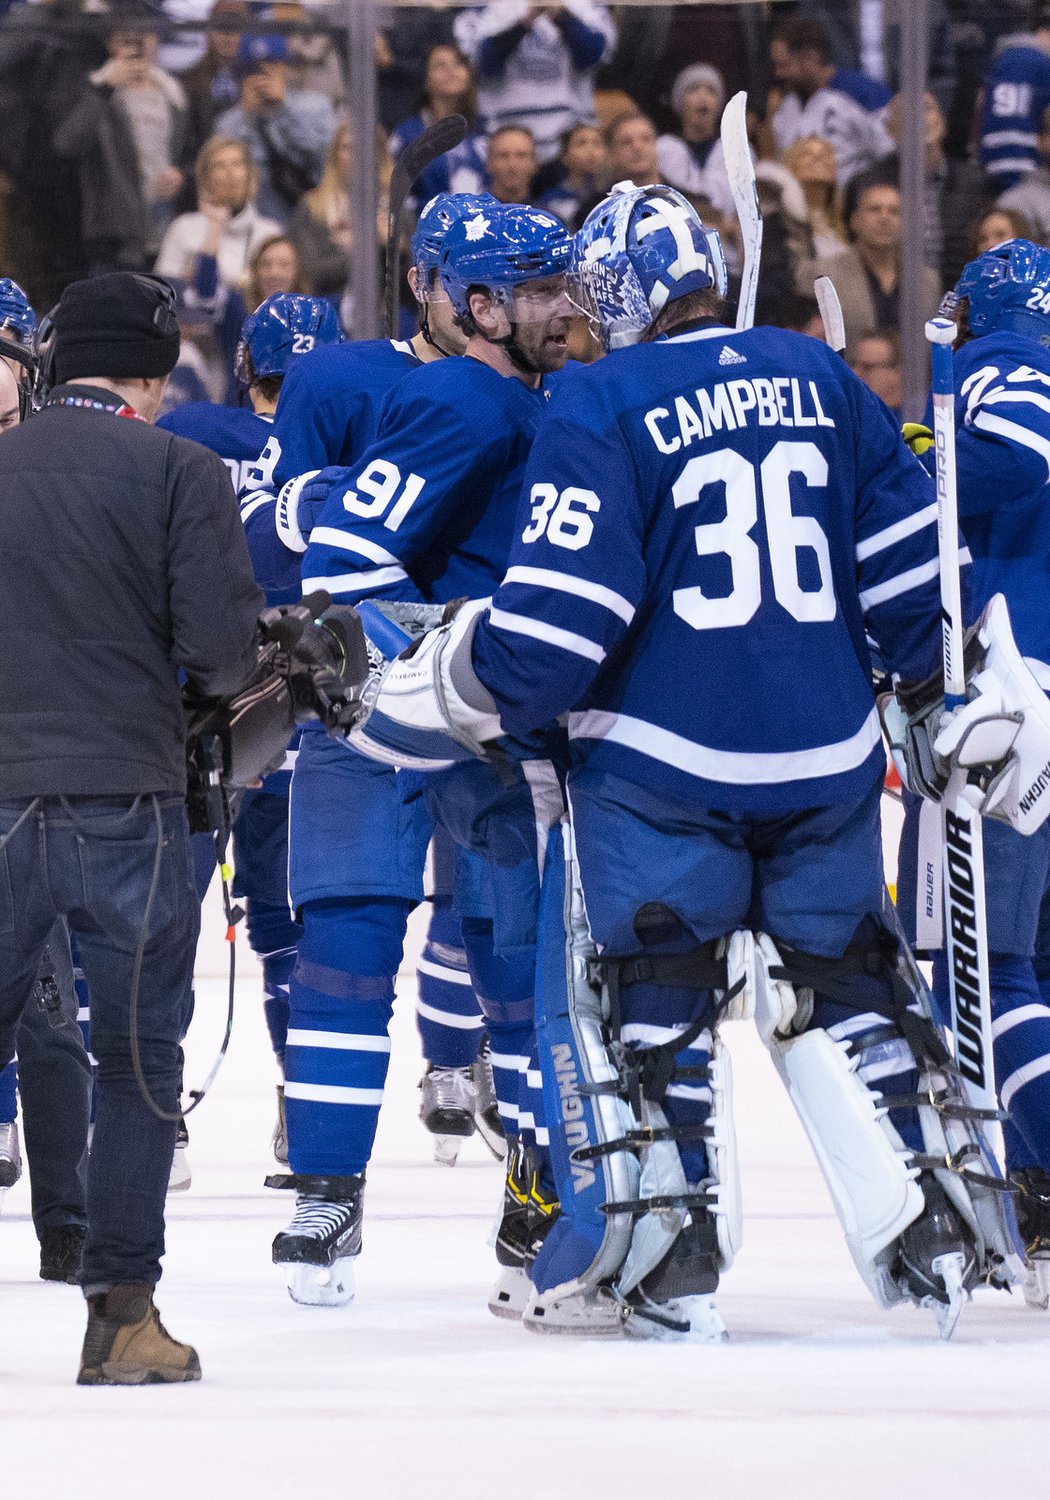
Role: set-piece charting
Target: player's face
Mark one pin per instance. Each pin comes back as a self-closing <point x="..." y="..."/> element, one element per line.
<point x="8" y="396"/>
<point x="542" y="316"/>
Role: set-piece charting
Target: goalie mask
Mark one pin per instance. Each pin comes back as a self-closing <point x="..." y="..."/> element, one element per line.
<point x="638" y="250"/>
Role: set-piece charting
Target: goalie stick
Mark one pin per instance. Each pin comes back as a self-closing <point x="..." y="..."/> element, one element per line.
<point x="965" y="928"/>
<point x="740" y="169"/>
<point x="830" y="314"/>
<point x="444" y="135"/>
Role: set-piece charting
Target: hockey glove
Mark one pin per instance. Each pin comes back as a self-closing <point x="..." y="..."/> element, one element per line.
<point x="300" y="503"/>
<point x="918" y="437"/>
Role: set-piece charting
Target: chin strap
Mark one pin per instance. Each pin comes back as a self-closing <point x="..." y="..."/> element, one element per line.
<point x="424" y="328"/>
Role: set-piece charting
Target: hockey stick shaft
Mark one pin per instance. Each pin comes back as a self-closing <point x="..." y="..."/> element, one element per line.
<point x="965" y="934"/>
<point x="444" y="135"/>
<point x="740" y="169"/>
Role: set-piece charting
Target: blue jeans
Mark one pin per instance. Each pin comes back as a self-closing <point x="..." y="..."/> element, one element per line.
<point x="94" y="860"/>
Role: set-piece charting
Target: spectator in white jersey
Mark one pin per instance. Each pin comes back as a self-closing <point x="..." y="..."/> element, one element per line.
<point x="535" y="64"/>
<point x="814" y="102"/>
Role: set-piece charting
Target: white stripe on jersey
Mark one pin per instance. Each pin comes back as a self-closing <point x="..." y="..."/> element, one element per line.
<point x="1008" y="164"/>
<point x="552" y="635"/>
<point x="912" y="579"/>
<point x="1034" y="1069"/>
<point x="251" y="503"/>
<point x="583" y="588"/>
<point x="733" y="767"/>
<point x="897" y="532"/>
<point x="1000" y="394"/>
<point x="1018" y="1017"/>
<point x="1009" y="138"/>
<point x="346" y="541"/>
<point x="987" y="421"/>
<point x="442" y="971"/>
<point x="339" y="583"/>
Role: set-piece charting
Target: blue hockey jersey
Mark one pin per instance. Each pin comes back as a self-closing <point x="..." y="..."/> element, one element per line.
<point x="235" y="433"/>
<point x="327" y="414"/>
<point x="710" y="525"/>
<point x="429" y="511"/>
<point x="1002" y="455"/>
<point x="1016" y="92"/>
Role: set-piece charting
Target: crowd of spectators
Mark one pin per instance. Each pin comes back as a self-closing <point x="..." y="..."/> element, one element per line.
<point x="213" y="140"/>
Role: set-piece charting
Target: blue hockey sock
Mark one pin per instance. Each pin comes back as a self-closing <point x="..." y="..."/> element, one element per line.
<point x="447" y="1012"/>
<point x="1021" y="1044"/>
<point x="274" y="935"/>
<point x="9" y="1093"/>
<point x="341" y="996"/>
<point x="504" y="987"/>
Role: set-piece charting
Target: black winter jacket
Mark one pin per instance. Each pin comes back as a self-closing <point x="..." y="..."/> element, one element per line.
<point x="122" y="560"/>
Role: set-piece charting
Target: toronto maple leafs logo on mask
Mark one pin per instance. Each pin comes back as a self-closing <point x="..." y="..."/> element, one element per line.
<point x="476" y="228"/>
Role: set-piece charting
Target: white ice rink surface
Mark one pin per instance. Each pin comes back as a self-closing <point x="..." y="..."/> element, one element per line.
<point x="415" y="1390"/>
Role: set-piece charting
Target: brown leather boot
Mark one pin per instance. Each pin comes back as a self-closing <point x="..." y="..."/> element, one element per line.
<point x="127" y="1344"/>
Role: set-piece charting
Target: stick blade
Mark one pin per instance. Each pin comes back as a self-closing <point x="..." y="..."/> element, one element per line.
<point x="830" y="313"/>
<point x="444" y="135"/>
<point x="740" y="169"/>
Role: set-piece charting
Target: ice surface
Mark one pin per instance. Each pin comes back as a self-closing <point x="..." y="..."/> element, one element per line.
<point x="415" y="1390"/>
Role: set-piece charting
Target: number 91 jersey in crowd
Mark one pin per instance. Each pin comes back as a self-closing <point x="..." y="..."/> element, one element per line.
<point x="712" y="525"/>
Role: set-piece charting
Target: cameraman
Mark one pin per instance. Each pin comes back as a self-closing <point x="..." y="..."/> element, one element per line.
<point x="122" y="560"/>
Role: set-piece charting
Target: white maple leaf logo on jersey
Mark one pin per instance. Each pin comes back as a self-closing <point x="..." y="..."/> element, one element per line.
<point x="730" y="357"/>
<point x="475" y="228"/>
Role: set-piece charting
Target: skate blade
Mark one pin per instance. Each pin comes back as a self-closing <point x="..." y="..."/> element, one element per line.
<point x="950" y="1269"/>
<point x="510" y="1294"/>
<point x="321" y="1286"/>
<point x="1036" y="1284"/>
<point x="180" y="1175"/>
<point x="589" y="1315"/>
<point x="446" y="1149"/>
<point x="697" y="1318"/>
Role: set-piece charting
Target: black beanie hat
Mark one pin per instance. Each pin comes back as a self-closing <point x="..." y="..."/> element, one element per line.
<point x="122" y="324"/>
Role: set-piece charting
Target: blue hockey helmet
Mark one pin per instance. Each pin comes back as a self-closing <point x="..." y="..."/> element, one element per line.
<point x="284" y="326"/>
<point x="17" y="318"/>
<point x="435" y="220"/>
<point x="500" y="247"/>
<point x="639" y="249"/>
<point x="1008" y="290"/>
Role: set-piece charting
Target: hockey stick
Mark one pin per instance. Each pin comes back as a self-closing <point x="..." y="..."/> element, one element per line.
<point x="965" y="928"/>
<point x="741" y="172"/>
<point x="444" y="135"/>
<point x="830" y="314"/>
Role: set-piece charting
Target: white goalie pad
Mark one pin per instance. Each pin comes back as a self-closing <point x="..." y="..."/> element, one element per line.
<point x="423" y="711"/>
<point x="1005" y="728"/>
<point x="864" y="1161"/>
<point x="775" y="1004"/>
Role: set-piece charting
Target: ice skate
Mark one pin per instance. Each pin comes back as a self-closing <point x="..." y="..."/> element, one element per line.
<point x="1032" y="1206"/>
<point x="279" y="1139"/>
<point x="447" y="1104"/>
<point x="526" y="1216"/>
<point x="10" y="1156"/>
<point x="486" y="1110"/>
<point x="937" y="1259"/>
<point x="180" y="1175"/>
<point x="60" y="1253"/>
<point x="318" y="1248"/>
<point x="127" y="1344"/>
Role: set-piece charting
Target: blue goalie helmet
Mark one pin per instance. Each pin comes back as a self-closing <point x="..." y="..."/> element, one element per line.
<point x="281" y="328"/>
<point x="1008" y="291"/>
<point x="638" y="250"/>
<point x="17" y="318"/>
<point x="435" y="221"/>
<point x="499" y="247"/>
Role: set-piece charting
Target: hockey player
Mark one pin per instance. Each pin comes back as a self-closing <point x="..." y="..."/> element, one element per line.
<point x="716" y="521"/>
<point x="282" y="329"/>
<point x="1002" y="413"/>
<point x="358" y="832"/>
<point x="427" y="514"/>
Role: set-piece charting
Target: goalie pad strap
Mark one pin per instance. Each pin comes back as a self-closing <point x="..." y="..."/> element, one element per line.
<point x="636" y="1207"/>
